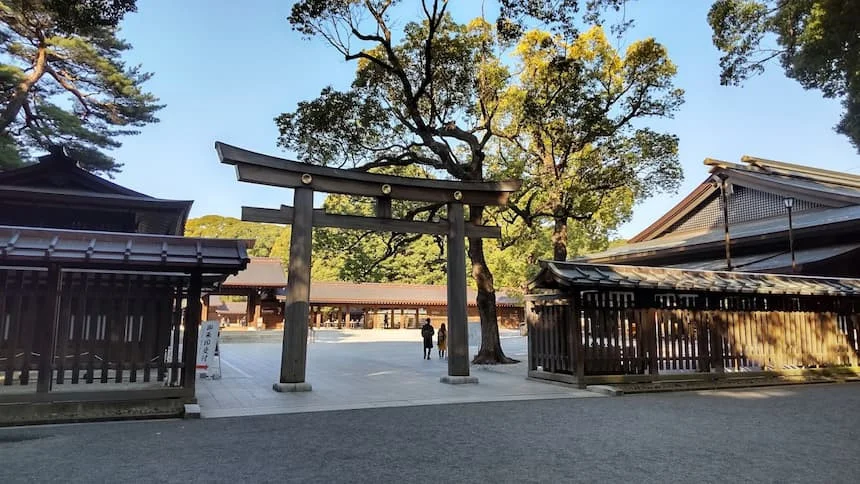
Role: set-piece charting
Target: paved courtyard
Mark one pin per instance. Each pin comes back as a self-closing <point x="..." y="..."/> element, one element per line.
<point x="352" y="369"/>
<point x="797" y="434"/>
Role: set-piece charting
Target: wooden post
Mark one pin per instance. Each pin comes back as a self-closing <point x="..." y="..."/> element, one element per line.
<point x="402" y="319"/>
<point x="204" y="312"/>
<point x="258" y="308"/>
<point x="649" y="331"/>
<point x="577" y="350"/>
<point x="417" y="318"/>
<point x="251" y="308"/>
<point x="295" y="345"/>
<point x="49" y="324"/>
<point x="458" y="328"/>
<point x="192" y="326"/>
<point x="717" y="332"/>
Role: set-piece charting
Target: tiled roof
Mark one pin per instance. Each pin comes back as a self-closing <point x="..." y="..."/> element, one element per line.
<point x="261" y="272"/>
<point x="620" y="277"/>
<point x="111" y="250"/>
<point x="227" y="307"/>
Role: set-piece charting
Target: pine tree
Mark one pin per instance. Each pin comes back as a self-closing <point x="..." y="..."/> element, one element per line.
<point x="63" y="81"/>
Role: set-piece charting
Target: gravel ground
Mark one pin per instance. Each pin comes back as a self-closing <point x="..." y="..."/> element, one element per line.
<point x="786" y="434"/>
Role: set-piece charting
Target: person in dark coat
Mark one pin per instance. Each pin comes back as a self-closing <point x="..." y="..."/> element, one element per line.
<point x="427" y="332"/>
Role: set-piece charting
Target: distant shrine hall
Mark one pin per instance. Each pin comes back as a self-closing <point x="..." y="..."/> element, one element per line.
<point x="253" y="299"/>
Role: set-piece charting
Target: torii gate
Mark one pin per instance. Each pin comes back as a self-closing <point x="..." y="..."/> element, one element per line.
<point x="304" y="179"/>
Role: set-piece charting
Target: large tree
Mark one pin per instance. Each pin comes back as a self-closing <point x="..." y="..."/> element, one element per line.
<point x="573" y="130"/>
<point x="425" y="97"/>
<point x="816" y="41"/>
<point x="63" y="81"/>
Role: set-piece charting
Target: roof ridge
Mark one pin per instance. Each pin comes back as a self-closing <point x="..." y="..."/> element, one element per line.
<point x="804" y="171"/>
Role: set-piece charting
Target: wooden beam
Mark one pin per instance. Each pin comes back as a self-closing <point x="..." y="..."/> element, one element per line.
<point x="269" y="170"/>
<point x="322" y="219"/>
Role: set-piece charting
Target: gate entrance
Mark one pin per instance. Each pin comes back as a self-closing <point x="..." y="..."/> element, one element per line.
<point x="305" y="179"/>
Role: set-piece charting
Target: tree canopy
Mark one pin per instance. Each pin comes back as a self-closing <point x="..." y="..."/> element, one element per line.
<point x="63" y="81"/>
<point x="569" y="130"/>
<point x="817" y="42"/>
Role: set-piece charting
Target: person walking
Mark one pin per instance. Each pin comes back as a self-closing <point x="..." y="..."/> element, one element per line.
<point x="427" y="332"/>
<point x="442" y="341"/>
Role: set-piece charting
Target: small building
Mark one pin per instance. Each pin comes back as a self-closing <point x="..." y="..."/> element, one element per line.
<point x="99" y="296"/>
<point x="750" y="204"/>
<point x="601" y="323"/>
<point x="259" y="284"/>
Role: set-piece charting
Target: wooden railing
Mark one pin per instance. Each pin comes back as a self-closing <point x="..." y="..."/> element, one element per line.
<point x="611" y="339"/>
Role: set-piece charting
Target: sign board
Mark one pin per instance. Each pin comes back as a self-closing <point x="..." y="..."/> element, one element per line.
<point x="206" y="344"/>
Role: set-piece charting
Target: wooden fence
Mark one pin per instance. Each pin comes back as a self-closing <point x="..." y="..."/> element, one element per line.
<point x="67" y="331"/>
<point x="607" y="337"/>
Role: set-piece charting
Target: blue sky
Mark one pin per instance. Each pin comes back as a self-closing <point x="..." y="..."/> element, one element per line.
<point x="225" y="69"/>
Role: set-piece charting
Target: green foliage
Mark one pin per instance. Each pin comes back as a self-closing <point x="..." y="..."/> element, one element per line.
<point x="817" y="43"/>
<point x="63" y="81"/>
<point x="351" y="255"/>
<point x="569" y="132"/>
<point x="271" y="240"/>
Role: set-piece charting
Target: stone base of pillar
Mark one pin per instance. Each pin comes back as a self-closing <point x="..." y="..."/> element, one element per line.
<point x="458" y="380"/>
<point x="292" y="387"/>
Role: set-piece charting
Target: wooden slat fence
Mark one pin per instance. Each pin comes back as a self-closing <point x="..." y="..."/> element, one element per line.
<point x="111" y="328"/>
<point x="616" y="338"/>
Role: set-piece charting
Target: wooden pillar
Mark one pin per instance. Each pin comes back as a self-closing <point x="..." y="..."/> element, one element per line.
<point x="49" y="325"/>
<point x="258" y="308"/>
<point x="295" y="345"/>
<point x="458" y="328"/>
<point x="402" y="319"/>
<point x="577" y="349"/>
<point x="251" y="308"/>
<point x="417" y="318"/>
<point x="204" y="311"/>
<point x="391" y="318"/>
<point x="192" y="326"/>
<point x="347" y="318"/>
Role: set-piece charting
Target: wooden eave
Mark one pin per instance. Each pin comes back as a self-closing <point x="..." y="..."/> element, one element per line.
<point x="80" y="249"/>
<point x="689" y="203"/>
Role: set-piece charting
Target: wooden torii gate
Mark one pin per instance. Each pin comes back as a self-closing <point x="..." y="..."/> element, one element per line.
<point x="305" y="179"/>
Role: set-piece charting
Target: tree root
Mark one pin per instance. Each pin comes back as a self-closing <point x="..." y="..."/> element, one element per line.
<point x="492" y="358"/>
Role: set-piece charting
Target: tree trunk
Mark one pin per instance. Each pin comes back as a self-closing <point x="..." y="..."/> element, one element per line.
<point x="491" y="346"/>
<point x="559" y="239"/>
<point x="13" y="107"/>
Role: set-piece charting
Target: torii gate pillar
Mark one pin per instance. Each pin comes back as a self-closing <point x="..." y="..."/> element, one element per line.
<point x="295" y="345"/>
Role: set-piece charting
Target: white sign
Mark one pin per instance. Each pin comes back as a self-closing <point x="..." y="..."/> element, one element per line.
<point x="206" y="344"/>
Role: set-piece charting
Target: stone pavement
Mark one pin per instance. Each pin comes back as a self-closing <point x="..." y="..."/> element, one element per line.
<point x="362" y="369"/>
<point x="783" y="435"/>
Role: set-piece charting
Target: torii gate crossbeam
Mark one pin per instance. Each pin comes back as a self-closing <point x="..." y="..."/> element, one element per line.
<point x="305" y="179"/>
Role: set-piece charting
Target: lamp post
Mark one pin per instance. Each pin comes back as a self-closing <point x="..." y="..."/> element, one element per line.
<point x="789" y="204"/>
